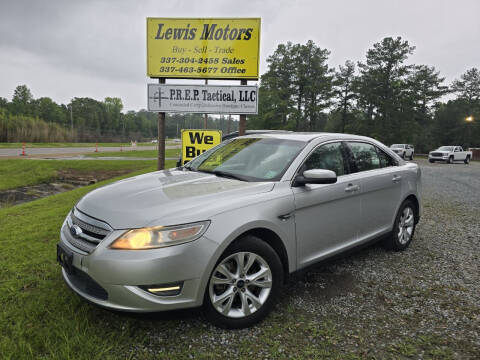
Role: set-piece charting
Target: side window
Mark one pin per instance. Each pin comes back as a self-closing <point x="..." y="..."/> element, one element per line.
<point x="365" y="156"/>
<point x="385" y="160"/>
<point x="328" y="157"/>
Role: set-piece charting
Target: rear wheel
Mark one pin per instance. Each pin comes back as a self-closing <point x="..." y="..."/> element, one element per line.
<point x="244" y="284"/>
<point x="467" y="160"/>
<point x="404" y="227"/>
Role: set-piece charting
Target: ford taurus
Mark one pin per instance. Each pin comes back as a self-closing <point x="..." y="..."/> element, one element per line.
<point x="227" y="229"/>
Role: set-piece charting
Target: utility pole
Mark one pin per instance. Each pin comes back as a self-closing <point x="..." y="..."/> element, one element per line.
<point x="243" y="117"/>
<point x="161" y="136"/>
<point x="205" y="116"/>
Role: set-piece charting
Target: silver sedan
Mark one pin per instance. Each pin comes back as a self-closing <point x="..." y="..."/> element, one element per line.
<point x="227" y="229"/>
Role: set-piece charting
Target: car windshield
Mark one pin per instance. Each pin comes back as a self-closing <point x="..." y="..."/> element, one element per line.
<point x="445" y="148"/>
<point x="249" y="159"/>
<point x="397" y="146"/>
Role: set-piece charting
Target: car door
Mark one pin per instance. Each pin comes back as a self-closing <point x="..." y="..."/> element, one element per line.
<point x="380" y="180"/>
<point x="458" y="153"/>
<point x="326" y="215"/>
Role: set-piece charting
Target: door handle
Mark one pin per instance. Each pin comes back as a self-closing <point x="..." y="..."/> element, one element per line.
<point x="351" y="188"/>
<point x="396" y="178"/>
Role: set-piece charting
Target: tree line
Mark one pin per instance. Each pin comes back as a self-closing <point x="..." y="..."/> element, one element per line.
<point x="25" y="118"/>
<point x="382" y="96"/>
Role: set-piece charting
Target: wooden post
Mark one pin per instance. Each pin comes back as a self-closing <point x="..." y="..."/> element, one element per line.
<point x="161" y="135"/>
<point x="205" y="116"/>
<point x="242" y="125"/>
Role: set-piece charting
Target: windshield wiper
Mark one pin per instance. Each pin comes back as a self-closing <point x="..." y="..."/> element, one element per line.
<point x="229" y="175"/>
<point x="225" y="174"/>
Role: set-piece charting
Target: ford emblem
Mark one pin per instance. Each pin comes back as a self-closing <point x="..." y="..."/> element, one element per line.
<point x="75" y="230"/>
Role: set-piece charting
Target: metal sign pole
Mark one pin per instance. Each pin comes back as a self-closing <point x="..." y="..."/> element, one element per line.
<point x="243" y="118"/>
<point x="161" y="135"/>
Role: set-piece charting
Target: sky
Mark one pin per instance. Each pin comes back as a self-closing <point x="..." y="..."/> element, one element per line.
<point x="66" y="49"/>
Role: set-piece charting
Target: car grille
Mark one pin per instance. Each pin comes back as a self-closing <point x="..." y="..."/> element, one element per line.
<point x="86" y="284"/>
<point x="93" y="231"/>
<point x="436" y="154"/>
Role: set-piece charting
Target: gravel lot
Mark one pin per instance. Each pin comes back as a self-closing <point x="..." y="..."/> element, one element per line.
<point x="420" y="303"/>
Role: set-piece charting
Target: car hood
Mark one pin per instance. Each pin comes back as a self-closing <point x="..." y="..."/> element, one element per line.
<point x="167" y="197"/>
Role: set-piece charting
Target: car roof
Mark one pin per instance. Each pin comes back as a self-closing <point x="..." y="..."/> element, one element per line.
<point x="308" y="136"/>
<point x="249" y="132"/>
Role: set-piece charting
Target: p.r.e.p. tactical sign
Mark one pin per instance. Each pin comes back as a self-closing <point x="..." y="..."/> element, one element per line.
<point x="212" y="99"/>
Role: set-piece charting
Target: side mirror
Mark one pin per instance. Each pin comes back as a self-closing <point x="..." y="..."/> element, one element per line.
<point x="315" y="176"/>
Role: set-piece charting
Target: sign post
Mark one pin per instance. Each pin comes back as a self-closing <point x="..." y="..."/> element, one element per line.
<point x="242" y="125"/>
<point x="161" y="136"/>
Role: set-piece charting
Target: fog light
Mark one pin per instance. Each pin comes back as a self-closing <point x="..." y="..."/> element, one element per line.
<point x="163" y="289"/>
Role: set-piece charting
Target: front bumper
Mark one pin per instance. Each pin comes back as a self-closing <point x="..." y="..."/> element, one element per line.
<point x="119" y="273"/>
<point x="438" y="158"/>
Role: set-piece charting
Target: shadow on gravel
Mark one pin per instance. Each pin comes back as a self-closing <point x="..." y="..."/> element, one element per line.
<point x="318" y="281"/>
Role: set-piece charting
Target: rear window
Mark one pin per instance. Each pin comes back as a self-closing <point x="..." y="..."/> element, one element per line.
<point x="365" y="156"/>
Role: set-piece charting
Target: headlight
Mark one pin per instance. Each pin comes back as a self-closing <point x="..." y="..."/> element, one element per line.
<point x="159" y="236"/>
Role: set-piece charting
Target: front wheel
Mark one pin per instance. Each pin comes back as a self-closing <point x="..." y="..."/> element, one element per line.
<point x="450" y="160"/>
<point x="403" y="228"/>
<point x="431" y="160"/>
<point x="467" y="160"/>
<point x="411" y="157"/>
<point x="244" y="284"/>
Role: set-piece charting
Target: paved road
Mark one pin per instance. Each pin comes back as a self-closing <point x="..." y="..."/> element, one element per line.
<point x="59" y="151"/>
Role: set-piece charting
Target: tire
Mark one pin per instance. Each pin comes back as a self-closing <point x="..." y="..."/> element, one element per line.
<point x="431" y="160"/>
<point x="450" y="160"/>
<point x="403" y="156"/>
<point x="411" y="157"/>
<point x="467" y="160"/>
<point x="243" y="305"/>
<point x="403" y="228"/>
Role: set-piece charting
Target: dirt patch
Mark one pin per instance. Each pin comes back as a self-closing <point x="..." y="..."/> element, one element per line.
<point x="326" y="285"/>
<point x="66" y="180"/>
<point x="81" y="178"/>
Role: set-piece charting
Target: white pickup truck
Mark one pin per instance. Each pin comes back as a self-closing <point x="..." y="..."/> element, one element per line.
<point x="405" y="151"/>
<point x="450" y="154"/>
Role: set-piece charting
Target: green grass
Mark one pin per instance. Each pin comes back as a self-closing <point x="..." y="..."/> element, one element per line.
<point x="43" y="145"/>
<point x="137" y="153"/>
<point x="23" y="172"/>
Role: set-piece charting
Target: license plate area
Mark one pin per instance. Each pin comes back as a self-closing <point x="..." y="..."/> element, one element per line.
<point x="65" y="258"/>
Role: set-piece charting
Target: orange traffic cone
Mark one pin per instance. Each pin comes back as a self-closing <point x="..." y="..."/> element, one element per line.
<point x="23" y="150"/>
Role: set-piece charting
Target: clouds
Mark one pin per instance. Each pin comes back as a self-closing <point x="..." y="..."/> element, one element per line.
<point x="91" y="48"/>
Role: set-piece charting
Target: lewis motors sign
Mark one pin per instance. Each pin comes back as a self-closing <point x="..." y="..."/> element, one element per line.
<point x="212" y="99"/>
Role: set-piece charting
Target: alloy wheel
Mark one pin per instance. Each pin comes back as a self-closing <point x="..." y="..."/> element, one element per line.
<point x="405" y="225"/>
<point x="240" y="284"/>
